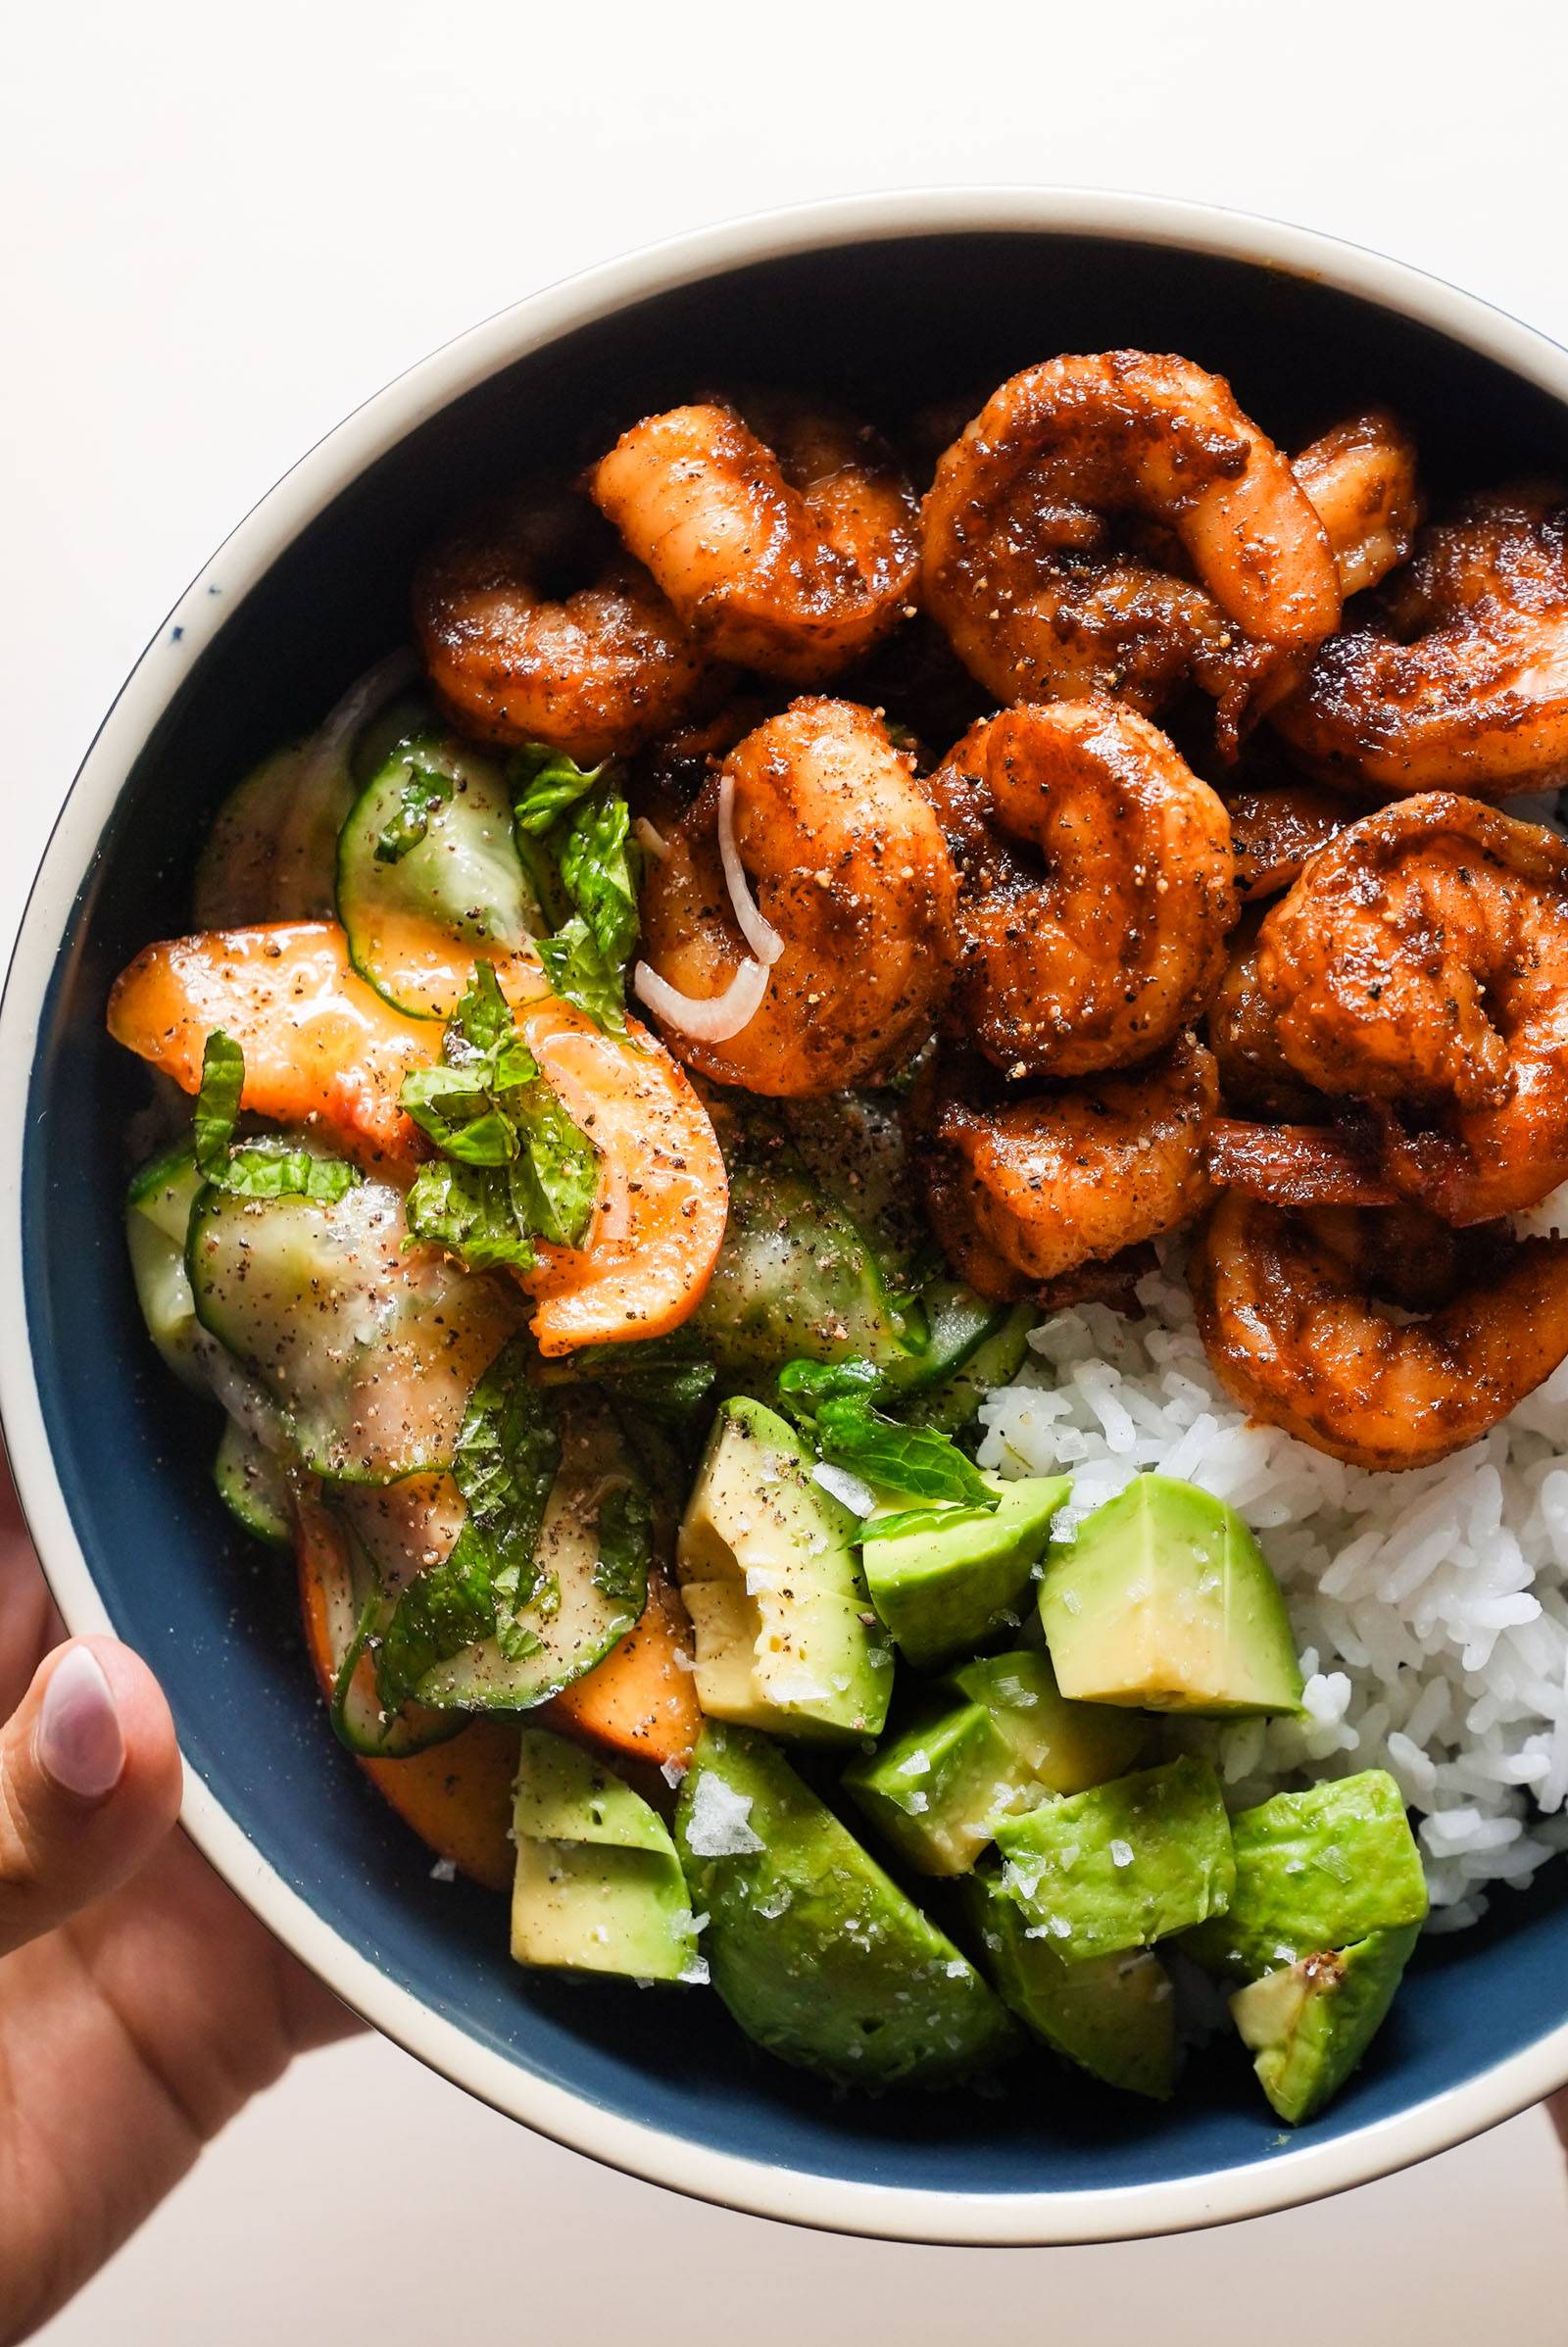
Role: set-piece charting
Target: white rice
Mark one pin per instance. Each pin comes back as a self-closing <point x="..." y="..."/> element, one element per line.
<point x="1430" y="1609"/>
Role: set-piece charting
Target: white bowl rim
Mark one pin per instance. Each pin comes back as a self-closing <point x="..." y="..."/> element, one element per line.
<point x="1303" y="2171"/>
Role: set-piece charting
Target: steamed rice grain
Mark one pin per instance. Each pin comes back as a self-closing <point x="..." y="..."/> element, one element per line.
<point x="1430" y="1609"/>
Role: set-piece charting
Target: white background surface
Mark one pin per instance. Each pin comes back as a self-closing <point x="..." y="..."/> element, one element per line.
<point x="224" y="227"/>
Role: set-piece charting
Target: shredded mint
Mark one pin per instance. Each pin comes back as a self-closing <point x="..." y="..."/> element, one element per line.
<point x="505" y="1462"/>
<point x="268" y="1167"/>
<point x="513" y="1166"/>
<point x="410" y="822"/>
<point x="831" y="1401"/>
<point x="625" y="1547"/>
<point x="575" y="834"/>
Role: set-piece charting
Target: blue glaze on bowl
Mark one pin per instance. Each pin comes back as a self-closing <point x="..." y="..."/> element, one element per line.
<point x="214" y="1617"/>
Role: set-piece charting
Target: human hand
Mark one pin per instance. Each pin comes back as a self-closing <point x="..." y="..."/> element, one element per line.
<point x="140" y="2003"/>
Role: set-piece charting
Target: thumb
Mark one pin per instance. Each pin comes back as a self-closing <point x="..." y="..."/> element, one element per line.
<point x="89" y="1784"/>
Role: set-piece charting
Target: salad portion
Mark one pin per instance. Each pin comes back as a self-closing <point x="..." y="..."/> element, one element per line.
<point x="616" y="1387"/>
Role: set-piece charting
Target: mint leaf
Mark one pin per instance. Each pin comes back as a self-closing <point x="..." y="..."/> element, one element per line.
<point x="579" y="974"/>
<point x="598" y="868"/>
<point x="421" y="794"/>
<point x="270" y="1167"/>
<point x="804" y="1386"/>
<point x="625" y="1548"/>
<point x="915" y="1460"/>
<point x="505" y="1461"/>
<point x="515" y="1165"/>
<point x="545" y="783"/>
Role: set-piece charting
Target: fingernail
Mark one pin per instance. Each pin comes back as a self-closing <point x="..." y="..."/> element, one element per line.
<point x="78" y="1743"/>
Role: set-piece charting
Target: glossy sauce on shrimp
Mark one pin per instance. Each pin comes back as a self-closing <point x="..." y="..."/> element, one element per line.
<point x="1096" y="887"/>
<point x="1286" y="1310"/>
<point x="849" y="866"/>
<point x="1420" y="965"/>
<point x="790" y="547"/>
<point x="1024" y="567"/>
<point x="596" y="668"/>
<point x="1459" y="679"/>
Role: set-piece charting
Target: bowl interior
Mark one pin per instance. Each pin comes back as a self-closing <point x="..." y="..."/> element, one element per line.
<point x="888" y="328"/>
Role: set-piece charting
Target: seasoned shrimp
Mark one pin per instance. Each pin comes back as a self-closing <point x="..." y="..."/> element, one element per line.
<point x="1025" y="572"/>
<point x="1024" y="1188"/>
<point x="1458" y="680"/>
<point x="596" y="673"/>
<point x="1420" y="963"/>
<point x="1255" y="1075"/>
<point x="793" y="552"/>
<point x="1292" y="1332"/>
<point x="1360" y="479"/>
<point x="1096" y="887"/>
<point x="847" y="862"/>
<point x="1276" y="827"/>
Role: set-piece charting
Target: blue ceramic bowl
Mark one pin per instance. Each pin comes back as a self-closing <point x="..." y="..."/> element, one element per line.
<point x="887" y="303"/>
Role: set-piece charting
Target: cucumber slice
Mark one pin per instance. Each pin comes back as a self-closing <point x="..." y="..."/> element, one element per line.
<point x="271" y="852"/>
<point x="157" y="1208"/>
<point x="957" y="1322"/>
<point x="796" y="1280"/>
<point x="344" y="1606"/>
<point x="254" y="1486"/>
<point x="371" y="1353"/>
<point x="953" y="1404"/>
<point x="419" y="872"/>
<point x="575" y="1620"/>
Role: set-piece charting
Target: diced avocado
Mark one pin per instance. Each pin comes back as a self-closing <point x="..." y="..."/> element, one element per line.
<point x="936" y="1791"/>
<point x="1113" y="2015"/>
<point x="1310" y="2024"/>
<point x="786" y="1638"/>
<point x="820" y="1956"/>
<point x="1165" y="1600"/>
<point x="1125" y="1864"/>
<point x="1064" y="1746"/>
<point x="598" y="1885"/>
<point x="946" y="1582"/>
<point x="1315" y="1870"/>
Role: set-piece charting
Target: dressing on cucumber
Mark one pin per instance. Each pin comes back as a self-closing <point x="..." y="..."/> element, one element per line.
<point x="427" y="862"/>
<point x="370" y="1351"/>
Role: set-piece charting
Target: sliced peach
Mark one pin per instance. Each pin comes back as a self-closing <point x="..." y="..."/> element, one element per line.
<point x="640" y="1702"/>
<point x="659" y="1221"/>
<point x="318" y="1042"/>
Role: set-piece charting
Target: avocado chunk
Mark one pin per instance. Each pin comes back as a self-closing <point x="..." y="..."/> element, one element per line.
<point x="1165" y="1600"/>
<point x="1113" y="2015"/>
<point x="1122" y="1864"/>
<point x="1310" y="2024"/>
<point x="820" y="1956"/>
<point x="786" y="1638"/>
<point x="936" y="1791"/>
<point x="948" y="1579"/>
<point x="598" y="1885"/>
<point x="1315" y="1870"/>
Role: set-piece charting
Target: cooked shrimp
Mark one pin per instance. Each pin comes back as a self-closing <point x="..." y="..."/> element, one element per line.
<point x="1360" y="479"/>
<point x="1276" y="827"/>
<point x="1024" y="571"/>
<point x="1096" y="887"/>
<point x="1291" y="1331"/>
<point x="1024" y="1188"/>
<point x="793" y="552"/>
<point x="1458" y="680"/>
<point x="595" y="674"/>
<point x="847" y="862"/>
<point x="1297" y="1166"/>
<point x="1255" y="1076"/>
<point x="1421" y="963"/>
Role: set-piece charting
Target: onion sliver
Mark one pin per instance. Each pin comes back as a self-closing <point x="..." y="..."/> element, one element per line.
<point x="712" y="1018"/>
<point x="656" y="846"/>
<point x="334" y="737"/>
<point x="754" y="925"/>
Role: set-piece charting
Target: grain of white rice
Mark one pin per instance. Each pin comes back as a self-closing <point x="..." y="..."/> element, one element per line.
<point x="1430" y="1609"/>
